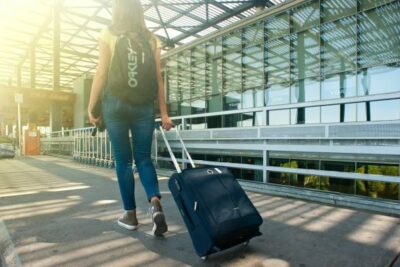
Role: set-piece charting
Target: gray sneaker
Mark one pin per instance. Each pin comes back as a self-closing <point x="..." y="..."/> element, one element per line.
<point x="128" y="220"/>
<point x="157" y="215"/>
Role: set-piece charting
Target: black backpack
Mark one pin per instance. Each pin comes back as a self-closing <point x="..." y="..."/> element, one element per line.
<point x="132" y="74"/>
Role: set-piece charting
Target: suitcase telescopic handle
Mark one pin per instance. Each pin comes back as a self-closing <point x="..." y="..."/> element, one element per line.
<point x="178" y="169"/>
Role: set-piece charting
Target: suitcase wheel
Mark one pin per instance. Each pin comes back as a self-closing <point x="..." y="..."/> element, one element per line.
<point x="204" y="258"/>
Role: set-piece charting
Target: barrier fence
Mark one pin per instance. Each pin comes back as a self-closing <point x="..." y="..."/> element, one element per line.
<point x="252" y="153"/>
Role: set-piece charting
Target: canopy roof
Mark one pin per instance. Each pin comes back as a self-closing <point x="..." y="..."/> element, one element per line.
<point x="27" y="32"/>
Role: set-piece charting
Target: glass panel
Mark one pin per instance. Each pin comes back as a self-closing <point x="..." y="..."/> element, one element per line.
<point x="210" y="49"/>
<point x="334" y="9"/>
<point x="184" y="74"/>
<point x="330" y="114"/>
<point x="379" y="80"/>
<point x="232" y="100"/>
<point x="302" y="180"/>
<point x="248" y="119"/>
<point x="305" y="91"/>
<point x="232" y="159"/>
<point x="361" y="112"/>
<point x="378" y="189"/>
<point x="277" y="60"/>
<point x="214" y="122"/>
<point x="198" y="123"/>
<point x="350" y="113"/>
<point x="210" y="58"/>
<point x="339" y="45"/>
<point x="237" y="173"/>
<point x="214" y="103"/>
<point x="379" y="35"/>
<point x="215" y="158"/>
<point x="338" y="86"/>
<point x="253" y="64"/>
<point x="260" y="119"/>
<point x="277" y="26"/>
<point x="248" y="99"/>
<point x="198" y="157"/>
<point x="233" y="120"/>
<point x="232" y="68"/>
<point x="185" y="108"/>
<point x="312" y="115"/>
<point x="252" y="175"/>
<point x="253" y="34"/>
<point x="174" y="109"/>
<point x="172" y="80"/>
<point x="277" y="177"/>
<point x="216" y="77"/>
<point x="385" y="110"/>
<point x="277" y="94"/>
<point x="214" y="70"/>
<point x="198" y="70"/>
<point x="259" y="98"/>
<point x="278" y="117"/>
<point x="198" y="106"/>
<point x="305" y="16"/>
<point x="337" y="184"/>
<point x="305" y="54"/>
<point x="305" y="115"/>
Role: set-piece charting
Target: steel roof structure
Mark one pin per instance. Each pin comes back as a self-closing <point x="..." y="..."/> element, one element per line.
<point x="31" y="30"/>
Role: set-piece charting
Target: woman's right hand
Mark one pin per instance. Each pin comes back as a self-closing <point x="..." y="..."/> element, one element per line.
<point x="167" y="124"/>
<point x="92" y="119"/>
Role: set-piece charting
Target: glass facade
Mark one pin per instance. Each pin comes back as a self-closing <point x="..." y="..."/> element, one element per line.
<point x="292" y="63"/>
<point x="318" y="50"/>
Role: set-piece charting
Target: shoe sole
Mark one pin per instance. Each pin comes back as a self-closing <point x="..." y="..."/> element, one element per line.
<point x="127" y="226"/>
<point x="160" y="226"/>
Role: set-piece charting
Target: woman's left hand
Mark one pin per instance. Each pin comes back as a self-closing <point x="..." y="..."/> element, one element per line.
<point x="167" y="123"/>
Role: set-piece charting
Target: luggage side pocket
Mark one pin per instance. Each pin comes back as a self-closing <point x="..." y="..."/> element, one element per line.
<point x="185" y="212"/>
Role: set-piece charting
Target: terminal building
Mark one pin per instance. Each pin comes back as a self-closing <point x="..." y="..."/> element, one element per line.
<point x="297" y="98"/>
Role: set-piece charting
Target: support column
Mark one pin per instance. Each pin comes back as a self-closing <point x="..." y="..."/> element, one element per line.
<point x="56" y="45"/>
<point x="55" y="117"/>
<point x="82" y="88"/>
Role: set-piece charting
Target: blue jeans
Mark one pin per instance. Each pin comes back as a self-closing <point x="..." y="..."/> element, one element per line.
<point x="120" y="118"/>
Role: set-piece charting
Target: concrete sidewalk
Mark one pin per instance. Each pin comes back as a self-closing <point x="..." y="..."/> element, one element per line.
<point x="55" y="212"/>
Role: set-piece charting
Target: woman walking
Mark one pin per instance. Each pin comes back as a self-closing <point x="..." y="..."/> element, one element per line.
<point x="127" y="49"/>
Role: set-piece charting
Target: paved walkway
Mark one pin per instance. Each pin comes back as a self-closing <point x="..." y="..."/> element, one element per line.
<point x="55" y="212"/>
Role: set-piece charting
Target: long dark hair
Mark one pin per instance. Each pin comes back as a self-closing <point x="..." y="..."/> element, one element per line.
<point x="128" y="17"/>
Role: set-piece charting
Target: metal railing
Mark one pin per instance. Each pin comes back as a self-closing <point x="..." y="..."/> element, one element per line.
<point x="367" y="141"/>
<point x="82" y="145"/>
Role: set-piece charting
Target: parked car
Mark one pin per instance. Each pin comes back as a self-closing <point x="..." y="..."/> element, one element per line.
<point x="6" y="148"/>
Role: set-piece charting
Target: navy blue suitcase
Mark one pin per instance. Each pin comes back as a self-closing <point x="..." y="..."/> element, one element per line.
<point x="216" y="210"/>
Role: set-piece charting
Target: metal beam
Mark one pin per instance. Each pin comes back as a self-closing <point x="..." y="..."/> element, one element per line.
<point x="214" y="21"/>
<point x="35" y="39"/>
